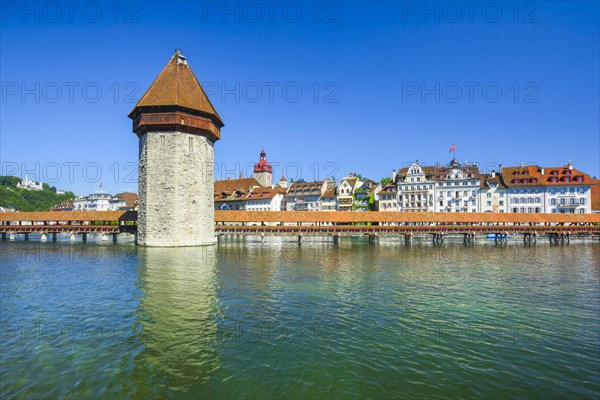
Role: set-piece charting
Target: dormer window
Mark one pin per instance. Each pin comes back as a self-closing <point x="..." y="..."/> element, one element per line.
<point x="516" y="172"/>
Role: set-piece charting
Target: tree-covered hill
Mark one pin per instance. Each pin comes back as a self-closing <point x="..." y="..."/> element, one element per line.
<point x="29" y="200"/>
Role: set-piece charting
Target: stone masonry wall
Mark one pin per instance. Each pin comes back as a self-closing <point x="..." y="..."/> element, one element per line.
<point x="176" y="201"/>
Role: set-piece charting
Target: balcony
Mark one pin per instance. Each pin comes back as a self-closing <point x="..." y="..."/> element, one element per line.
<point x="569" y="205"/>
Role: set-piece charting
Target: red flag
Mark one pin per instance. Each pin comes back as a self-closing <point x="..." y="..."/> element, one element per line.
<point x="451" y="148"/>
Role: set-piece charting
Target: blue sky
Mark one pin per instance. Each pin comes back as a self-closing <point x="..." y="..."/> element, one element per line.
<point x="325" y="87"/>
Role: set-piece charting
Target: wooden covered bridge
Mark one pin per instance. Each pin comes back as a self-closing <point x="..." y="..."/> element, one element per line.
<point x="81" y="223"/>
<point x="557" y="227"/>
<point x="332" y="223"/>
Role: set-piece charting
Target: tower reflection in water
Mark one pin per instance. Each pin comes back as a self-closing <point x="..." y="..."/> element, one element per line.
<point x="176" y="322"/>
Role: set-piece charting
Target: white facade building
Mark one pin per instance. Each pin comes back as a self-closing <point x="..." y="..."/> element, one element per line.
<point x="532" y="189"/>
<point x="415" y="189"/>
<point x="345" y="192"/>
<point x="265" y="199"/>
<point x="457" y="187"/>
<point x="29" y="185"/>
<point x="98" y="202"/>
<point x="493" y="194"/>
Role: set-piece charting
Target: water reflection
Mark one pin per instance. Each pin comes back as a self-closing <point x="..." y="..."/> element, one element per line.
<point x="176" y="322"/>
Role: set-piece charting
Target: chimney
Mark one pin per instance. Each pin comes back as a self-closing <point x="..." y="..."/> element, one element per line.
<point x="542" y="170"/>
<point x="394" y="176"/>
<point x="493" y="173"/>
<point x="570" y="165"/>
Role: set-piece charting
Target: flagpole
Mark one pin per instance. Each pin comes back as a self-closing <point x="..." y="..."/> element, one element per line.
<point x="454" y="147"/>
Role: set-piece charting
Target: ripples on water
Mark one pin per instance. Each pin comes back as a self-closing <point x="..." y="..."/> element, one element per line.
<point x="279" y="320"/>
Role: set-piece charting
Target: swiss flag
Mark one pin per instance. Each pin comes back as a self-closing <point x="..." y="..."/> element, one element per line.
<point x="451" y="148"/>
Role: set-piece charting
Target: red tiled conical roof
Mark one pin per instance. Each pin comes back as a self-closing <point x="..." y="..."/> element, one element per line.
<point x="176" y="85"/>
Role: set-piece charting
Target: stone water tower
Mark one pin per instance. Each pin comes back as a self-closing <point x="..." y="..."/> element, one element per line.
<point x="177" y="128"/>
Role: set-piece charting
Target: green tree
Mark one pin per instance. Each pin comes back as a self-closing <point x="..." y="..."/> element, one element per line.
<point x="29" y="200"/>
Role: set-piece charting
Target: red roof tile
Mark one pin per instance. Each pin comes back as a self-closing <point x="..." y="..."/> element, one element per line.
<point x="596" y="195"/>
<point x="531" y="175"/>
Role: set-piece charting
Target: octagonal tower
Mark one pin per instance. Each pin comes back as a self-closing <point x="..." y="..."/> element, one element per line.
<point x="177" y="128"/>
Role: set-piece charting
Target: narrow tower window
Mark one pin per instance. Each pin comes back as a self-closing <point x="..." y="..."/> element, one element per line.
<point x="191" y="144"/>
<point x="162" y="141"/>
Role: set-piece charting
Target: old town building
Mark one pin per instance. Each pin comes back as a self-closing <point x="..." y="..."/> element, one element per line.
<point x="415" y="188"/>
<point x="99" y="202"/>
<point x="305" y="196"/>
<point x="345" y="192"/>
<point x="231" y="194"/>
<point x="532" y="188"/>
<point x="493" y="194"/>
<point x="456" y="187"/>
<point x="265" y="199"/>
<point x="388" y="198"/>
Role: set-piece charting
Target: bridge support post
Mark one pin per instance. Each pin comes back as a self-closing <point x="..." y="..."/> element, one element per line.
<point x="336" y="239"/>
<point x="3" y="235"/>
<point x="54" y="236"/>
<point x="299" y="240"/>
<point x="27" y="236"/>
<point x="84" y="237"/>
<point x="115" y="237"/>
<point x="469" y="238"/>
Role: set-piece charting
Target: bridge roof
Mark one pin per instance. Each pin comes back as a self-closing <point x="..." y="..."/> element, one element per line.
<point x="69" y="216"/>
<point x="373" y="216"/>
